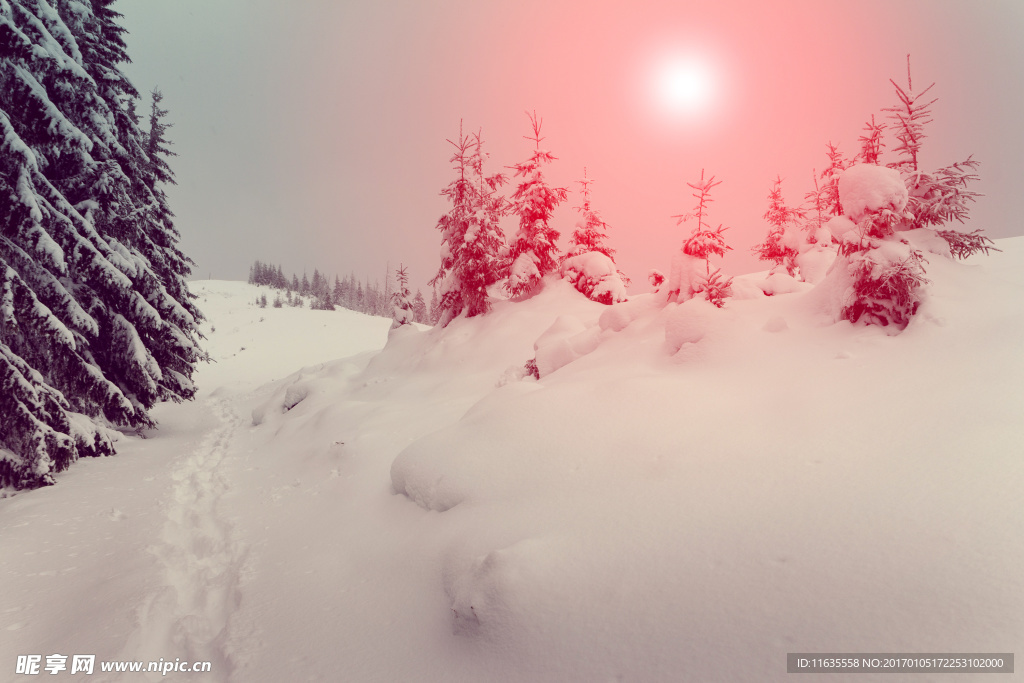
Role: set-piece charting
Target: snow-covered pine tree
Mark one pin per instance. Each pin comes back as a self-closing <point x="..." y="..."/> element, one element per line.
<point x="419" y="308"/>
<point x="781" y="246"/>
<point x="400" y="301"/>
<point x="880" y="272"/>
<point x="939" y="197"/>
<point x="338" y="292"/>
<point x="686" y="281"/>
<point x="590" y="231"/>
<point x="816" y="251"/>
<point x="472" y="244"/>
<point x="171" y="264"/>
<point x="830" y="189"/>
<point x="534" y="252"/>
<point x="96" y="324"/>
<point x="434" y="312"/>
<point x="321" y="292"/>
<point x="910" y="115"/>
<point x="871" y="144"/>
<point x="589" y="265"/>
<point x="815" y="209"/>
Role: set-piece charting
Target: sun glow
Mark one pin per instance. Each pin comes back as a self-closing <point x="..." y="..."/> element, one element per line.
<point x="685" y="85"/>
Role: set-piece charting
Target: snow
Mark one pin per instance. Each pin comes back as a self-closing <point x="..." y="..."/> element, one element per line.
<point x="686" y="493"/>
<point x="686" y="276"/>
<point x="867" y="188"/>
<point x="815" y="260"/>
<point x="594" y="274"/>
<point x="523" y="271"/>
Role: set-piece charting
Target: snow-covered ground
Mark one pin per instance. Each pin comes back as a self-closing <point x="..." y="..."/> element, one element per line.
<point x="686" y="494"/>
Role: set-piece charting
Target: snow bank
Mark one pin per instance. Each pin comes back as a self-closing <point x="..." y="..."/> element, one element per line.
<point x="780" y="483"/>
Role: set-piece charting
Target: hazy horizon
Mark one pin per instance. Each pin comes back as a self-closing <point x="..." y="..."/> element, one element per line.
<point x="314" y="136"/>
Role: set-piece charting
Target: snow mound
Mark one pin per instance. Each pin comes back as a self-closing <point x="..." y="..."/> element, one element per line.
<point x="867" y="188"/>
<point x="689" y="322"/>
<point x="778" y="483"/>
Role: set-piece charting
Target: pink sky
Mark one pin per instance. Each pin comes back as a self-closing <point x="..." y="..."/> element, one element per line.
<point x="315" y="135"/>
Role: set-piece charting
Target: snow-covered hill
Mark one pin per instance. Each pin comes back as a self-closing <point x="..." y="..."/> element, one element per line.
<point x="686" y="493"/>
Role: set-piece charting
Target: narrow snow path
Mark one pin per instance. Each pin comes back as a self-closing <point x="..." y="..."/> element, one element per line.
<point x="200" y="560"/>
<point x="136" y="558"/>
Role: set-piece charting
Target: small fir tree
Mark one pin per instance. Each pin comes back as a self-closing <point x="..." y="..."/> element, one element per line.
<point x="939" y="197"/>
<point x="590" y="231"/>
<point x="534" y="252"/>
<point x="871" y="144"/>
<point x="910" y="116"/>
<point x="779" y="246"/>
<point x="816" y="210"/>
<point x="589" y="265"/>
<point x="419" y="308"/>
<point x="472" y="243"/>
<point x="401" y="304"/>
<point x="885" y="272"/>
<point x="830" y="188"/>
<point x="700" y="245"/>
<point x="434" y="312"/>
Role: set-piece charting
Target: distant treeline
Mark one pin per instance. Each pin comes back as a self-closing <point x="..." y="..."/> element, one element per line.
<point x="325" y="295"/>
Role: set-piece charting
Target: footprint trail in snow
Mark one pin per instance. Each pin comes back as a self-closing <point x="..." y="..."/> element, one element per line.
<point x="190" y="616"/>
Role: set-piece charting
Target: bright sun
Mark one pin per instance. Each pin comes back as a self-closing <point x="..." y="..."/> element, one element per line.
<point x="684" y="85"/>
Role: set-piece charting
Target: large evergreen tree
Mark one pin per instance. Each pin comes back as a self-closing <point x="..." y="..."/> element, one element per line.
<point x="96" y="324"/>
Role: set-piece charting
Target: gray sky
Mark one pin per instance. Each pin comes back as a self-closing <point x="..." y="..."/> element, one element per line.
<point x="313" y="134"/>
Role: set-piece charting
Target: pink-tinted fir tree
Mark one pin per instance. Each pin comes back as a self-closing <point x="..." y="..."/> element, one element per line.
<point x="830" y="188"/>
<point x="534" y="252"/>
<point x="591" y="231"/>
<point x="816" y="211"/>
<point x="702" y="243"/>
<point x="589" y="265"/>
<point x="871" y="144"/>
<point x="778" y="247"/>
<point x="939" y="197"/>
<point x="472" y="245"/>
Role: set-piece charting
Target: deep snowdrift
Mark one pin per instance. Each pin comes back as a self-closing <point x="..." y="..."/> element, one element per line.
<point x="686" y="493"/>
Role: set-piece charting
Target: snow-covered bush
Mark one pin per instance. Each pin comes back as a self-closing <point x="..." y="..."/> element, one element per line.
<point x="881" y="271"/>
<point x="593" y="274"/>
<point x="887" y="280"/>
